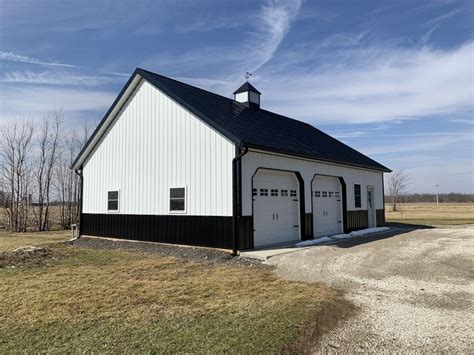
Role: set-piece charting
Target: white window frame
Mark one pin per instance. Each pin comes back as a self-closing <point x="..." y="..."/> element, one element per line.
<point x="118" y="201"/>
<point x="185" y="200"/>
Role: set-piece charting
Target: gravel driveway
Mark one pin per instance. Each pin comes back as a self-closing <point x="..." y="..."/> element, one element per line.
<point x="415" y="290"/>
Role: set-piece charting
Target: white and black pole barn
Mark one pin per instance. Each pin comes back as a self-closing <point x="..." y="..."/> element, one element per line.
<point x="173" y="163"/>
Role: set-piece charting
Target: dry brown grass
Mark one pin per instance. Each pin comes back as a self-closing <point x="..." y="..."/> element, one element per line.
<point x="9" y="241"/>
<point x="112" y="301"/>
<point x="430" y="214"/>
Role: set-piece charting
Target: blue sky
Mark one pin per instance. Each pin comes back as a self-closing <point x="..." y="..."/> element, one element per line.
<point x="393" y="79"/>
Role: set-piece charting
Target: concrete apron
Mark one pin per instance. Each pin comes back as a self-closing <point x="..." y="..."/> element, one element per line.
<point x="266" y="253"/>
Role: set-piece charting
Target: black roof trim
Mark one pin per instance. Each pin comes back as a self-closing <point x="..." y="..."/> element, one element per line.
<point x="247" y="87"/>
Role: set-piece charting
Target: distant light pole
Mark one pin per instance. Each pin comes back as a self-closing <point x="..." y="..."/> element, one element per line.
<point x="437" y="194"/>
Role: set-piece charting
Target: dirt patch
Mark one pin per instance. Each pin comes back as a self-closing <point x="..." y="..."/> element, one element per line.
<point x="182" y="252"/>
<point x="320" y="322"/>
<point x="28" y="256"/>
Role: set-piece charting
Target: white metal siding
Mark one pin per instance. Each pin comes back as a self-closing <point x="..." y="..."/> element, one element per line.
<point x="155" y="144"/>
<point x="254" y="160"/>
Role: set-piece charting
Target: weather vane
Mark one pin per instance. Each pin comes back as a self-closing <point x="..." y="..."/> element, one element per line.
<point x="247" y="75"/>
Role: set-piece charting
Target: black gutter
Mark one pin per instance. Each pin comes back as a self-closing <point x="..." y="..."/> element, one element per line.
<point x="240" y="151"/>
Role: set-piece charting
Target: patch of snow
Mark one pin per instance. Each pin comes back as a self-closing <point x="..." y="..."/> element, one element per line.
<point x="363" y="232"/>
<point x="354" y="234"/>
<point x="307" y="243"/>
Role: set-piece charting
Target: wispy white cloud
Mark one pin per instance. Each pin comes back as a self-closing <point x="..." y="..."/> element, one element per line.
<point x="274" y="22"/>
<point x="456" y="175"/>
<point x="435" y="159"/>
<point x="58" y="78"/>
<point x="426" y="37"/>
<point x="365" y="134"/>
<point x="380" y="84"/>
<point x="443" y="17"/>
<point x="211" y="23"/>
<point x="463" y="121"/>
<point x="266" y="32"/>
<point x="418" y="144"/>
<point x="13" y="57"/>
<point x="35" y="101"/>
<point x="344" y="39"/>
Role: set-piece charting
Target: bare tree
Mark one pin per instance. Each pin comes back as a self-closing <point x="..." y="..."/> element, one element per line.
<point x="49" y="146"/>
<point x="397" y="184"/>
<point x="68" y="182"/>
<point x="15" y="150"/>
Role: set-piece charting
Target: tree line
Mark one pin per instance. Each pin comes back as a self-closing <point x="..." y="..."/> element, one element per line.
<point x="397" y="185"/>
<point x="452" y="197"/>
<point x="38" y="190"/>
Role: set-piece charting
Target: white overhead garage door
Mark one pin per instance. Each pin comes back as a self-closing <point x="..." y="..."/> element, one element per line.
<point x="275" y="207"/>
<point x="327" y="206"/>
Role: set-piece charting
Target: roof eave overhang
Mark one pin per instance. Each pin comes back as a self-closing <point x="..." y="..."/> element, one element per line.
<point x="317" y="159"/>
<point x="108" y="118"/>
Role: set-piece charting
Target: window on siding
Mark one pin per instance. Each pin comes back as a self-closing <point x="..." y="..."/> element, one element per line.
<point x="274" y="192"/>
<point x="325" y="194"/>
<point x="284" y="193"/>
<point x="357" y="198"/>
<point x="263" y="192"/>
<point x="293" y="193"/>
<point x="336" y="193"/>
<point x="112" y="201"/>
<point x="178" y="199"/>
<point x="254" y="192"/>
<point x="330" y="193"/>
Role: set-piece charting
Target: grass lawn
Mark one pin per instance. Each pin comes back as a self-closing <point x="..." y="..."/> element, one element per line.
<point x="115" y="301"/>
<point x="430" y="214"/>
<point x="9" y="241"/>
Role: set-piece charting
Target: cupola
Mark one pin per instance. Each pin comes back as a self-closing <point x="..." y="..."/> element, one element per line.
<point x="247" y="94"/>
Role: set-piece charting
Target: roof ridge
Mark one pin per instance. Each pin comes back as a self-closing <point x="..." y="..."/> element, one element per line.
<point x="224" y="97"/>
<point x="183" y="83"/>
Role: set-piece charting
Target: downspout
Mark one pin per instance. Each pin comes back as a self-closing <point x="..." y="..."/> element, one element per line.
<point x="237" y="194"/>
<point x="81" y="177"/>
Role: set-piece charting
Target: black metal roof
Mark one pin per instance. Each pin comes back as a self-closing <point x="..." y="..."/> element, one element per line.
<point x="259" y="128"/>
<point x="252" y="126"/>
<point x="246" y="87"/>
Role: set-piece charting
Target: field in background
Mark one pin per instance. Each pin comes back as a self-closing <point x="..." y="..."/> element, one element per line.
<point x="430" y="214"/>
<point x="32" y="217"/>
